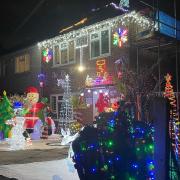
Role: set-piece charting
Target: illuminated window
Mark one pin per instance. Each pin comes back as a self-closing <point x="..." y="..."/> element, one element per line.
<point x="64" y="53"/>
<point x="22" y="63"/>
<point x="100" y="43"/>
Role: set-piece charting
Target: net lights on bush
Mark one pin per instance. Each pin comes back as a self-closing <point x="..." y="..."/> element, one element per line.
<point x="120" y="37"/>
<point x="120" y="149"/>
<point x="47" y="55"/>
<point x="125" y="20"/>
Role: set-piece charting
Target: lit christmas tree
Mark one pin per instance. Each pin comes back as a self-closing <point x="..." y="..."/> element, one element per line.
<point x="66" y="111"/>
<point x="174" y="120"/>
<point x="6" y="113"/>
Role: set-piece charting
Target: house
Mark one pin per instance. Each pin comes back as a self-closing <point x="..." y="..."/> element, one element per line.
<point x="101" y="49"/>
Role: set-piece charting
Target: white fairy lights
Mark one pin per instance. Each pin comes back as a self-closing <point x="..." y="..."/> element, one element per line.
<point x="125" y="20"/>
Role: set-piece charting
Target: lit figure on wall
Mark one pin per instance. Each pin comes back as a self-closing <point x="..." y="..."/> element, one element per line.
<point x="120" y="37"/>
<point x="47" y="55"/>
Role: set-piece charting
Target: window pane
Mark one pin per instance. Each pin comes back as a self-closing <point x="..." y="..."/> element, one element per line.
<point x="95" y="50"/>
<point x="64" y="57"/>
<point x="71" y="51"/>
<point x="27" y="63"/>
<point x="56" y="54"/>
<point x="81" y="41"/>
<point x="94" y="36"/>
<point x="53" y="103"/>
<point x="104" y="42"/>
<point x="22" y="63"/>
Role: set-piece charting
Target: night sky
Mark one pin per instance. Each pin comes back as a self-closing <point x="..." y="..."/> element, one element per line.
<point x="24" y="23"/>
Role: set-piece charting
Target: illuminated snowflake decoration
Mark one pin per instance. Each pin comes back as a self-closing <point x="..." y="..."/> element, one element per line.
<point x="120" y="37"/>
<point x="47" y="55"/>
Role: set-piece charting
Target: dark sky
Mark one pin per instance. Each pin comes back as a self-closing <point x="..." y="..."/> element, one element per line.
<point x="24" y="22"/>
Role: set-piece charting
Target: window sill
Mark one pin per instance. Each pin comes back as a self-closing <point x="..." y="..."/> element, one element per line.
<point x="101" y="56"/>
<point x="20" y="73"/>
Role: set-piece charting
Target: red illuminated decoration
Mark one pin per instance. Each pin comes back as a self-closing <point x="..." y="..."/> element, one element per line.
<point x="101" y="103"/>
<point x="101" y="67"/>
<point x="102" y="76"/>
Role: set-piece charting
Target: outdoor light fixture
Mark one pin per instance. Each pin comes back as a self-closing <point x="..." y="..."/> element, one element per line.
<point x="81" y="68"/>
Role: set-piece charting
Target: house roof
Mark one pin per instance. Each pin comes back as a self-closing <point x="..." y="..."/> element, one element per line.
<point x="26" y="22"/>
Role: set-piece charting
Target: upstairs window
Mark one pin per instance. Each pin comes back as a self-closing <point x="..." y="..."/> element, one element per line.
<point x="22" y="63"/>
<point x="82" y="41"/>
<point x="71" y="51"/>
<point x="64" y="53"/>
<point x="56" y="54"/>
<point x="100" y="43"/>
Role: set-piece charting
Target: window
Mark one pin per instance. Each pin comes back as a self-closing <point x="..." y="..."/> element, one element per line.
<point x="56" y="54"/>
<point x="100" y="43"/>
<point x="71" y="51"/>
<point x="22" y="63"/>
<point x="56" y="101"/>
<point x="95" y="45"/>
<point x="64" y="53"/>
<point x="104" y="42"/>
<point x="81" y="41"/>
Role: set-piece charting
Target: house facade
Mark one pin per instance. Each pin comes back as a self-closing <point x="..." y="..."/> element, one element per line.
<point x="20" y="69"/>
<point x="93" y="56"/>
<point x="102" y="49"/>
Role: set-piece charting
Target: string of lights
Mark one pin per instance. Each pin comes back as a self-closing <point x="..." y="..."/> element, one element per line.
<point x="174" y="123"/>
<point x="124" y="20"/>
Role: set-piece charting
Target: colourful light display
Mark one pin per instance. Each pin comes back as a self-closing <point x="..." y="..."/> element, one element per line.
<point x="120" y="37"/>
<point x="102" y="76"/>
<point x="101" y="69"/>
<point x="174" y="119"/>
<point x="119" y="148"/>
<point x="47" y="55"/>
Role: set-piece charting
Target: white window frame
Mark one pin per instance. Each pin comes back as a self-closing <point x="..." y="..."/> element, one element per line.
<point x="100" y="43"/>
<point x="57" y="101"/>
<point x="81" y="37"/>
<point x="54" y="64"/>
<point x="62" y="48"/>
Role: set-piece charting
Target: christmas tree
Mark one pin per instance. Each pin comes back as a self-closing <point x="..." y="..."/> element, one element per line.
<point x="66" y="111"/>
<point x="6" y="113"/>
<point x="117" y="148"/>
<point x="174" y="119"/>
